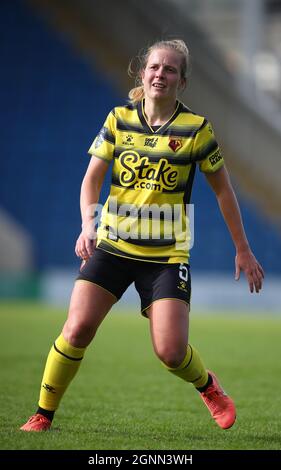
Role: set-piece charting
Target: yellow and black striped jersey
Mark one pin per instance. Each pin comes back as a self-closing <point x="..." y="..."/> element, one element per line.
<point x="145" y="216"/>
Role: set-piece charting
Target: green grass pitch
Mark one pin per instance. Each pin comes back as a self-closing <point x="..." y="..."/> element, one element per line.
<point x="123" y="398"/>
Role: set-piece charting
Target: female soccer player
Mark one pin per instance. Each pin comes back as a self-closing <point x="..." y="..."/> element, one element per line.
<point x="156" y="142"/>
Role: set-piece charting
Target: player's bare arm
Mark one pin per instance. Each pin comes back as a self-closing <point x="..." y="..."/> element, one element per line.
<point x="89" y="197"/>
<point x="244" y="259"/>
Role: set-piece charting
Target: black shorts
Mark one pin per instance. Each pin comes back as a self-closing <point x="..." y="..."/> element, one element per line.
<point x="153" y="281"/>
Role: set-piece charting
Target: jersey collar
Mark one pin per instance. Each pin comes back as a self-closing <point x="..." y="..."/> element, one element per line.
<point x="147" y="128"/>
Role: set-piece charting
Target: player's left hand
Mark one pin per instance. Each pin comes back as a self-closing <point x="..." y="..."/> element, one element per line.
<point x="246" y="261"/>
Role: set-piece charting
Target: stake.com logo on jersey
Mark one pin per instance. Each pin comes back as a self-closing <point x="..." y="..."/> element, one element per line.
<point x="138" y="172"/>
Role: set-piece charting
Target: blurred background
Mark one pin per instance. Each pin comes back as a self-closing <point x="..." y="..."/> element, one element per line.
<point x="64" y="67"/>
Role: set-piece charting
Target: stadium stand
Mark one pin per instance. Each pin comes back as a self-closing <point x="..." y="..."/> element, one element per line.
<point x="54" y="98"/>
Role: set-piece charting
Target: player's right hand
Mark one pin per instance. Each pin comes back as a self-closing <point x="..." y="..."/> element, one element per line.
<point x="85" y="246"/>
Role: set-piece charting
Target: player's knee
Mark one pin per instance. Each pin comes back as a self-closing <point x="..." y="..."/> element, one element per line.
<point x="79" y="334"/>
<point x="170" y="357"/>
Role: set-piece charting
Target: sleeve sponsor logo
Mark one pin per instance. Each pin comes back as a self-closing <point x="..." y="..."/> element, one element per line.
<point x="100" y="137"/>
<point x="215" y="158"/>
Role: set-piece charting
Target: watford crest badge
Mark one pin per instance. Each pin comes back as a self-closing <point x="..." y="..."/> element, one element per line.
<point x="175" y="144"/>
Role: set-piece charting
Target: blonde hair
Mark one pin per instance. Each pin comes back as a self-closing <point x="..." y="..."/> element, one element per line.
<point x="137" y="65"/>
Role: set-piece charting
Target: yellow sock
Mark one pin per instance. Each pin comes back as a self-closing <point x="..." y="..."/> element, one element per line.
<point x="62" y="364"/>
<point x="191" y="369"/>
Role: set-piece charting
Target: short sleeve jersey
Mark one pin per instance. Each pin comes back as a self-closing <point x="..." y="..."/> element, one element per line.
<point x="146" y="215"/>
